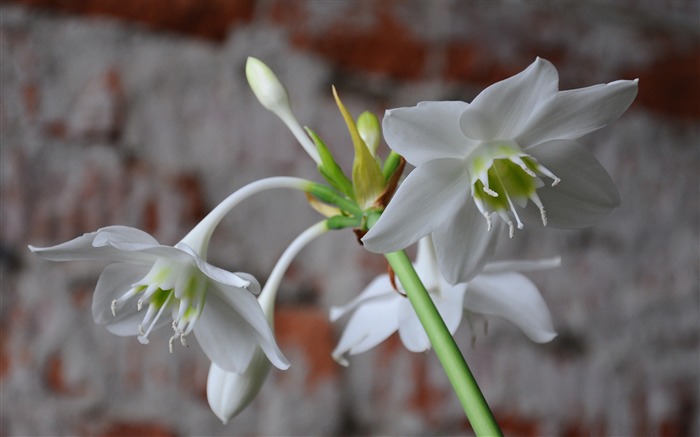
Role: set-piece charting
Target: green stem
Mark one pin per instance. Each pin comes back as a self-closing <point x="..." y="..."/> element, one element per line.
<point x="456" y="368"/>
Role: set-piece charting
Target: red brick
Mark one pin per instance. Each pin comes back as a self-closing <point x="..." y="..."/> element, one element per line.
<point x="55" y="380"/>
<point x="207" y="19"/>
<point x="308" y="329"/>
<point x="670" y="86"/>
<point x="513" y="424"/>
<point x="143" y="429"/>
<point x="388" y="47"/>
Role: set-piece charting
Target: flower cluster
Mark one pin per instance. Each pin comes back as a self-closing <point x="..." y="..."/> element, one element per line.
<point x="498" y="162"/>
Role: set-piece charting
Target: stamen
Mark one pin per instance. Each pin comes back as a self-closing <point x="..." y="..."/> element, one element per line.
<point x="141" y="332"/>
<point x="517" y="160"/>
<point x="490" y="192"/>
<point x="144" y="338"/>
<point x="536" y="200"/>
<point x="139" y="305"/>
<point x="543" y="214"/>
<point x="170" y="343"/>
<point x="511" y="227"/>
<point x="545" y="171"/>
<point x="489" y="223"/>
<point x="114" y="308"/>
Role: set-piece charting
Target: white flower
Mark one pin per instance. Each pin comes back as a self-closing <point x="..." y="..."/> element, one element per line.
<point x="149" y="285"/>
<point x="499" y="290"/>
<point x="494" y="155"/>
<point x="229" y="393"/>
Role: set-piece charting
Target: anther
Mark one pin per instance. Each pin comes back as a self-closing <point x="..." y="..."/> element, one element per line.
<point x="139" y="305"/>
<point x="527" y="170"/>
<point x="489" y="224"/>
<point x="114" y="308"/>
<point x="556" y="181"/>
<point x="511" y="229"/>
<point x="141" y="331"/>
<point x="490" y="192"/>
<point x="543" y="214"/>
<point x="170" y="343"/>
<point x="183" y="341"/>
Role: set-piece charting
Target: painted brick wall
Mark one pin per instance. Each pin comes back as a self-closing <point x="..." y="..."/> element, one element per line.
<point x="138" y="113"/>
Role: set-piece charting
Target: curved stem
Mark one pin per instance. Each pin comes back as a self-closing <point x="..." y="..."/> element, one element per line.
<point x="198" y="238"/>
<point x="456" y="368"/>
<point x="269" y="291"/>
<point x="298" y="132"/>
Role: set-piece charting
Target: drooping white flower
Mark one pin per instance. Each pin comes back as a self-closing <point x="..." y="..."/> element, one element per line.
<point x="229" y="393"/>
<point x="498" y="290"/>
<point x="512" y="147"/>
<point x="149" y="285"/>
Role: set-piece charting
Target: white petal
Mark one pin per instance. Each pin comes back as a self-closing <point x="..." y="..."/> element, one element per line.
<point x="81" y="248"/>
<point x="229" y="393"/>
<point x="428" y="197"/>
<point x="427" y="131"/>
<point x="223" y="276"/>
<point x="464" y="244"/>
<point x="522" y="266"/>
<point x="512" y="101"/>
<point x="574" y="113"/>
<point x="514" y="297"/>
<point x="378" y="288"/>
<point x="450" y="305"/>
<point x="114" y="281"/>
<point x="369" y="325"/>
<point x="231" y="326"/>
<point x="586" y="192"/>
<point x="116" y="235"/>
<point x="411" y="331"/>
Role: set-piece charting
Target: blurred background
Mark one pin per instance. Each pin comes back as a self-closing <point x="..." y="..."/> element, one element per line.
<point x="138" y="113"/>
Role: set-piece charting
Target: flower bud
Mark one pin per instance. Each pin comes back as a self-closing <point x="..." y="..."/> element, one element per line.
<point x="267" y="88"/>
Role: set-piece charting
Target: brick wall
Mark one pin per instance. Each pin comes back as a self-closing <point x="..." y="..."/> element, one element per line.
<point x="138" y="113"/>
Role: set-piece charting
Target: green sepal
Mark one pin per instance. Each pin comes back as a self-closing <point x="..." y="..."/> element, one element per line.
<point x="367" y="179"/>
<point x="329" y="195"/>
<point x="342" y="222"/>
<point x="371" y="218"/>
<point x="391" y="164"/>
<point x="329" y="169"/>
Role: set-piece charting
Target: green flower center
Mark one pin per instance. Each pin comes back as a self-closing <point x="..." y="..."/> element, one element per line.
<point x="503" y="176"/>
<point x="178" y="287"/>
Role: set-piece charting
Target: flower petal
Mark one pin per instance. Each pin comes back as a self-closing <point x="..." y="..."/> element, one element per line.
<point x="449" y="303"/>
<point x="369" y="325"/>
<point x="511" y="101"/>
<point x="514" y="297"/>
<point x="118" y="235"/>
<point x="464" y="244"/>
<point x="115" y="280"/>
<point x="586" y="192"/>
<point x="378" y="288"/>
<point x="428" y="197"/>
<point x="411" y="331"/>
<point x="229" y="393"/>
<point x="427" y="131"/>
<point x="225" y="337"/>
<point x="231" y="325"/>
<point x="522" y="266"/>
<point x="83" y="249"/>
<point x="574" y="113"/>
